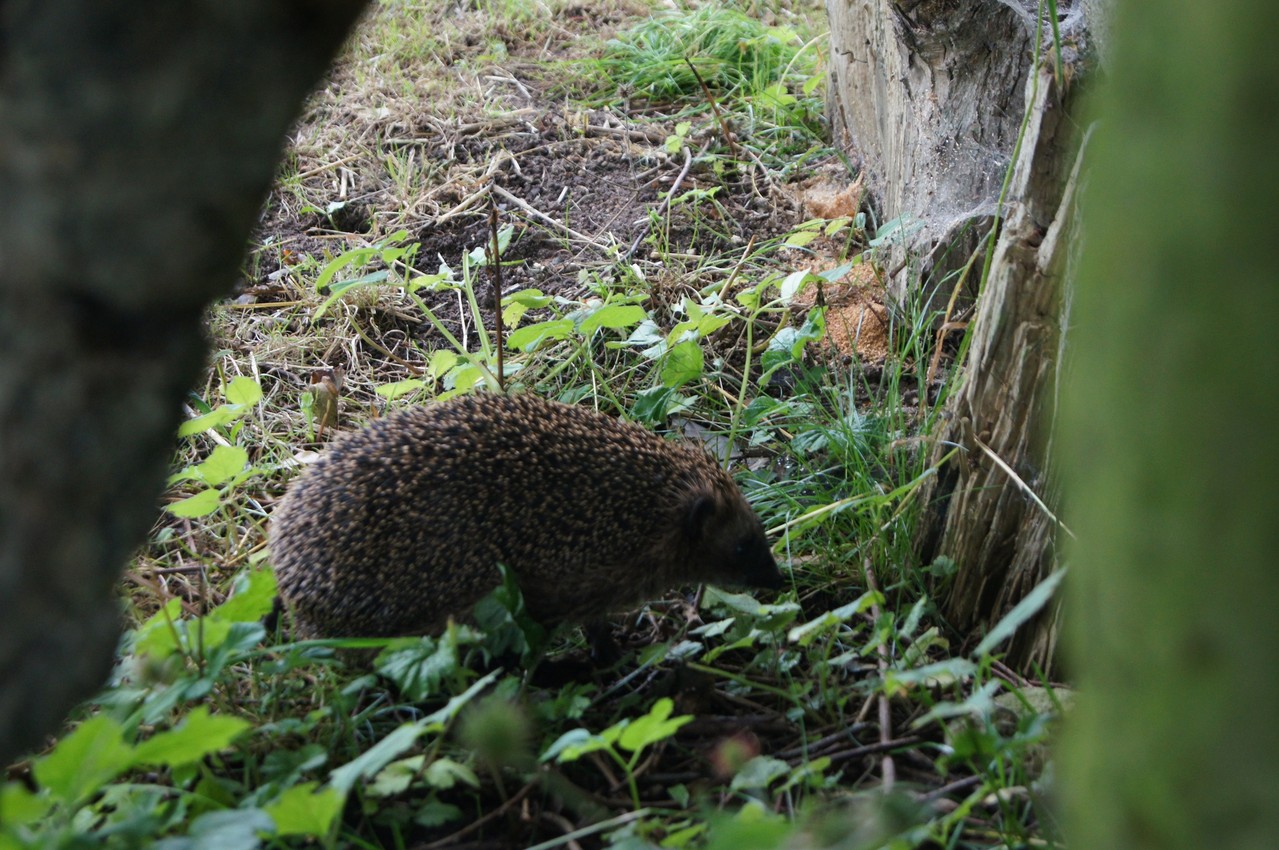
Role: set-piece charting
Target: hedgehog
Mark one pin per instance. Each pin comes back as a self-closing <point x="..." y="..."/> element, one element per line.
<point x="402" y="525"/>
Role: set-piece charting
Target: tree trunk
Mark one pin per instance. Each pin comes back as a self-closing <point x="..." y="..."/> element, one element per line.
<point x="933" y="98"/>
<point x="928" y="98"/>
<point x="992" y="504"/>
<point x="1171" y="454"/>
<point x="137" y="143"/>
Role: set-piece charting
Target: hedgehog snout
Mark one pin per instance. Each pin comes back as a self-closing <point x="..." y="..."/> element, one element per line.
<point x="759" y="568"/>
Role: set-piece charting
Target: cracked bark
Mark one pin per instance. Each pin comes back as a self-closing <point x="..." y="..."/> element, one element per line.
<point x="931" y="97"/>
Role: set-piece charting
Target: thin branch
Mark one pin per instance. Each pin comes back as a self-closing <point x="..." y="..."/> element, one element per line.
<point x="885" y="716"/>
<point x="495" y="260"/>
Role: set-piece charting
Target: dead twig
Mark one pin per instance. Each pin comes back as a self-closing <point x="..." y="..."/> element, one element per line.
<point x="710" y="98"/>
<point x="546" y="219"/>
<point x="666" y="202"/>
<point x="495" y="263"/>
<point x="885" y="715"/>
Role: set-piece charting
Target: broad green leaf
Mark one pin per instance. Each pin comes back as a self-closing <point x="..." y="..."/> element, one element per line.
<point x="438" y="720"/>
<point x="950" y="670"/>
<point x="461" y="378"/>
<point x="613" y="316"/>
<point x="712" y="322"/>
<point x="800" y="238"/>
<point x="376" y="757"/>
<point x="574" y="744"/>
<point x="831" y="275"/>
<point x="434" y="813"/>
<point x="156" y="636"/>
<point x="396" y="777"/>
<point x="530" y="337"/>
<point x="442" y="361"/>
<point x="243" y="391"/>
<point x="84" y="761"/>
<point x="337" y="290"/>
<point x="652" y="727"/>
<point x="304" y="810"/>
<point x="253" y="599"/>
<point x="201" y="504"/>
<point x="198" y="735"/>
<point x="752" y="828"/>
<point x="683" y="363"/>
<point x="980" y="703"/>
<point x="531" y="299"/>
<point x="395" y="389"/>
<point x="213" y="419"/>
<point x="445" y="773"/>
<point x="653" y="404"/>
<point x="759" y="772"/>
<point x="233" y="829"/>
<point x="834" y="226"/>
<point x="418" y="665"/>
<point x="682" y="837"/>
<point x="223" y="464"/>
<point x="19" y="806"/>
<point x="808" y="632"/>
<point x="793" y="284"/>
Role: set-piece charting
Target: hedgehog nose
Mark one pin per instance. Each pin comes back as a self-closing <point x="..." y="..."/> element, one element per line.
<point x="766" y="574"/>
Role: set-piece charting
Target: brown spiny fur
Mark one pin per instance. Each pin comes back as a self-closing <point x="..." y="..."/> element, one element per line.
<point x="401" y="525"/>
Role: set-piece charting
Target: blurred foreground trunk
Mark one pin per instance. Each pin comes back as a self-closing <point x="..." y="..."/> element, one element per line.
<point x="1171" y="457"/>
<point x="936" y="99"/>
<point x="138" y="140"/>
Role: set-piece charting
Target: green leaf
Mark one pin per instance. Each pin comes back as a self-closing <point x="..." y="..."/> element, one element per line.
<point x="243" y="391"/>
<point x="434" y="813"/>
<point x="444" y="773"/>
<point x="834" y="226"/>
<point x="441" y="361"/>
<point x="575" y="743"/>
<point x="84" y="761"/>
<point x="793" y="284"/>
<point x="712" y="322"/>
<point x="651" y="405"/>
<point x="198" y="735"/>
<point x="800" y="238"/>
<point x="806" y="633"/>
<point x="683" y="363"/>
<point x="834" y="274"/>
<point x="337" y="290"/>
<point x="223" y="464"/>
<point x="1025" y="609"/>
<point x="395" y="389"/>
<point x="235" y="829"/>
<point x="396" y="777"/>
<point x="19" y="806"/>
<point x="213" y="419"/>
<point x="759" y="773"/>
<point x="253" y="599"/>
<point x="942" y="672"/>
<point x="156" y="636"/>
<point x="418" y="665"/>
<point x="613" y="316"/>
<point x="751" y="828"/>
<point x="437" y="720"/>
<point x="302" y="810"/>
<point x="652" y="727"/>
<point x="201" y="504"/>
<point x="530" y="337"/>
<point x="376" y="757"/>
<point x="531" y="299"/>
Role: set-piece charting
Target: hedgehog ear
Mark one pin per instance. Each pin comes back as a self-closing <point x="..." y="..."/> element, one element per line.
<point x="697" y="516"/>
